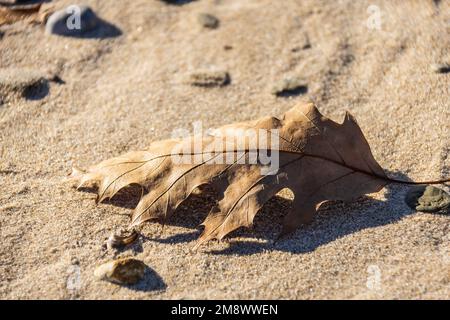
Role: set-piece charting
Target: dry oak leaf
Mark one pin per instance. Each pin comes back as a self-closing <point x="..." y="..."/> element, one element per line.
<point x="319" y="160"/>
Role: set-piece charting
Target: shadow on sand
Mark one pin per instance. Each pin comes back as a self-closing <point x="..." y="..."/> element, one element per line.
<point x="334" y="220"/>
<point x="152" y="282"/>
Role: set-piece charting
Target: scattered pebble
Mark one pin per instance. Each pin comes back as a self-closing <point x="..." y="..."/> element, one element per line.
<point x="208" y="78"/>
<point x="428" y="199"/>
<point x="19" y="11"/>
<point x="299" y="48"/>
<point x="122" y="271"/>
<point x="15" y="82"/>
<point x="290" y="87"/>
<point x="63" y="23"/>
<point x="440" y="67"/>
<point x="120" y="239"/>
<point x="176" y="2"/>
<point x="21" y="4"/>
<point x="208" y="20"/>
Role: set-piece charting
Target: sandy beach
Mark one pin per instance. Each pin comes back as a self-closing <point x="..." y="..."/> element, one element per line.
<point x="122" y="88"/>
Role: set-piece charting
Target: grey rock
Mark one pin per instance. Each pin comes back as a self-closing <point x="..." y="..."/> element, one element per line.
<point x="208" y="78"/>
<point x="10" y="2"/>
<point x="65" y="22"/>
<point x="440" y="67"/>
<point x="208" y="20"/>
<point x="177" y="2"/>
<point x="290" y="86"/>
<point x="125" y="271"/>
<point x="428" y="199"/>
<point x="21" y="4"/>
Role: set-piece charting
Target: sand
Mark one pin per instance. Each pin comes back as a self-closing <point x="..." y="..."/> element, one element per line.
<point x="120" y="93"/>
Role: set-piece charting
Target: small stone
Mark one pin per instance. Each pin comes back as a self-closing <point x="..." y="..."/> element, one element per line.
<point x="10" y="2"/>
<point x="16" y="82"/>
<point x="121" y="238"/>
<point x="122" y="271"/>
<point x="290" y="87"/>
<point x="19" y="4"/>
<point x="440" y="67"/>
<point x="208" y="20"/>
<point x="208" y="78"/>
<point x="65" y="22"/>
<point x="13" y="12"/>
<point x="176" y="2"/>
<point x="428" y="199"/>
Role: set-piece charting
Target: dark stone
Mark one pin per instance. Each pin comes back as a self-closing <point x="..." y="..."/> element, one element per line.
<point x="26" y="83"/>
<point x="22" y="4"/>
<point x="440" y="67"/>
<point x="64" y="22"/>
<point x="290" y="87"/>
<point x="177" y="2"/>
<point x="208" y="21"/>
<point x="208" y="78"/>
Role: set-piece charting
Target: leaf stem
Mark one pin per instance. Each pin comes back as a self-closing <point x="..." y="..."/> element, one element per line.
<point x="392" y="180"/>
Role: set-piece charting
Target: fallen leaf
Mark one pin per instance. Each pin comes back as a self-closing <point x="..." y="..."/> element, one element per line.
<point x="318" y="159"/>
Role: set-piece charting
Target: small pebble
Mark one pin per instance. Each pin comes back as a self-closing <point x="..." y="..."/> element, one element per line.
<point x="20" y="4"/>
<point x="428" y="199"/>
<point x="440" y="67"/>
<point x="290" y="87"/>
<point x="176" y="2"/>
<point x="206" y="78"/>
<point x="20" y="82"/>
<point x="14" y="12"/>
<point x="208" y="20"/>
<point x="124" y="271"/>
<point x="10" y="2"/>
<point x="64" y="23"/>
<point x="120" y="239"/>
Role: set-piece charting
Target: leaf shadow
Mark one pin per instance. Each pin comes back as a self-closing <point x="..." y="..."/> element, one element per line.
<point x="334" y="220"/>
<point x="127" y="198"/>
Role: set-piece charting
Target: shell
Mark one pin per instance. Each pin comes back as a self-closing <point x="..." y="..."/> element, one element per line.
<point x="121" y="239"/>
